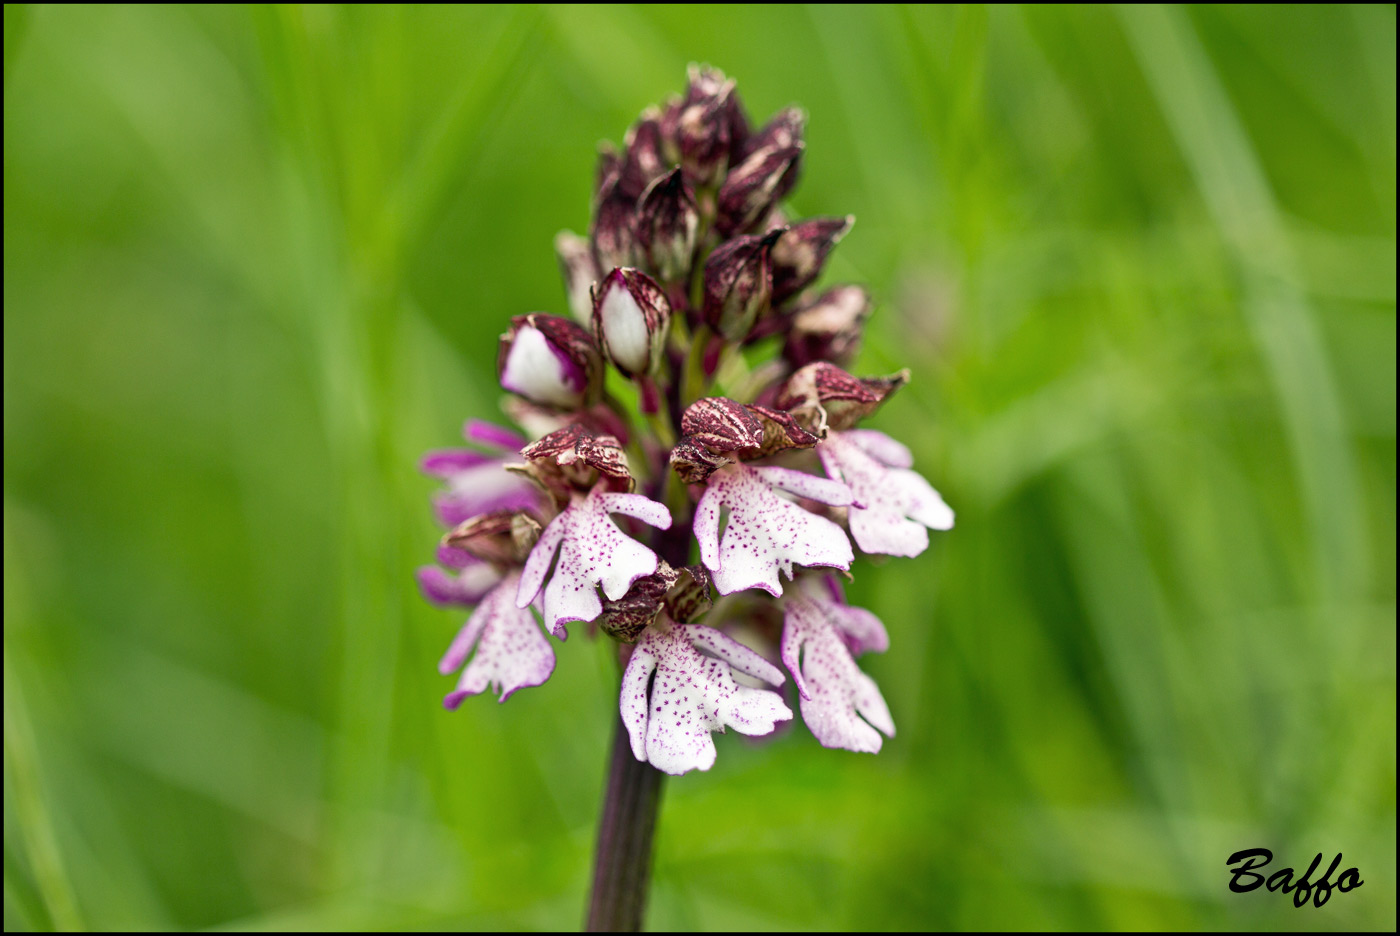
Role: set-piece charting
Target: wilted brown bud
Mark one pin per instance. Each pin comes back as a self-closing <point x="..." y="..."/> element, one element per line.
<point x="754" y="186"/>
<point x="501" y="536"/>
<point x="575" y="458"/>
<point x="667" y="221"/>
<point x="738" y="284"/>
<point x="630" y="318"/>
<point x="716" y="431"/>
<point x="800" y="254"/>
<point x="828" y="328"/>
<point x="824" y="397"/>
<point x="551" y="361"/>
<point x="579" y="272"/>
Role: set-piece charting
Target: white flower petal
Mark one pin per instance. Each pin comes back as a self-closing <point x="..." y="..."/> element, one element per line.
<point x="807" y="485"/>
<point x="592" y="552"/>
<point x="896" y="505"/>
<point x="861" y="630"/>
<point x="881" y="447"/>
<point x="691" y="696"/>
<point x="766" y="533"/>
<point x="835" y="694"/>
<point x="511" y="650"/>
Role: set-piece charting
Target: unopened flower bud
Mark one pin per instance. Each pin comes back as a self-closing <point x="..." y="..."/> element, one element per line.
<point x="828" y="328"/>
<point x="785" y="129"/>
<point x="667" y="221"/>
<point x="824" y="397"/>
<point x="754" y="186"/>
<point x="550" y="360"/>
<point x="704" y="125"/>
<point x="642" y="159"/>
<point x="630" y="317"/>
<point x="800" y="254"/>
<point x="579" y="272"/>
<point x="614" y="235"/>
<point x="738" y="284"/>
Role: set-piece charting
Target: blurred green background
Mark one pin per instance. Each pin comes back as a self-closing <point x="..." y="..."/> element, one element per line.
<point x="1141" y="262"/>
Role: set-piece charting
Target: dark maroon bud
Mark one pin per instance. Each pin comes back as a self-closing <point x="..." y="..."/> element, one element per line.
<point x="754" y="186"/>
<point x="579" y="272"/>
<point x="800" y="254"/>
<point x="785" y="129"/>
<point x="608" y="168"/>
<point x="824" y="397"/>
<point x="614" y="233"/>
<point x="642" y="160"/>
<point x="630" y="318"/>
<point x="828" y="328"/>
<point x="551" y="361"/>
<point x="575" y="459"/>
<point x="738" y="284"/>
<point x="704" y="125"/>
<point x="667" y="221"/>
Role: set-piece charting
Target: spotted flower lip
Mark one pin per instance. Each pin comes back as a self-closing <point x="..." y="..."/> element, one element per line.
<point x="895" y="507"/>
<point x="767" y="533"/>
<point x="840" y="704"/>
<point x="593" y="551"/>
<point x="511" y="650"/>
<point x="694" y="694"/>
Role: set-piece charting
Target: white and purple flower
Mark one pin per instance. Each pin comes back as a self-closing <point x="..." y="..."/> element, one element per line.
<point x="821" y="637"/>
<point x="670" y="717"/>
<point x="894" y="507"/>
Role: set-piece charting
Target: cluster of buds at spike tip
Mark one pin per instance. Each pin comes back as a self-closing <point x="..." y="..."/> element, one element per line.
<point x="699" y="519"/>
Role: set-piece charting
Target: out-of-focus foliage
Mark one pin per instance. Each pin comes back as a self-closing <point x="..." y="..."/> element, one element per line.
<point x="1141" y="262"/>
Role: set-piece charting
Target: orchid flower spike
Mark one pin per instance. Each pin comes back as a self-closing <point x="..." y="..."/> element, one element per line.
<point x="594" y="513"/>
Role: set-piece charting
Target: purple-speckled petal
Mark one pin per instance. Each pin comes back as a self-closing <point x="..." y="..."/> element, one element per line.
<point x="592" y="552"/>
<point x="497" y="437"/>
<point x="466" y="588"/>
<point x="692" y="696"/>
<point x="833" y="691"/>
<point x="895" y="505"/>
<point x="766" y="532"/>
<point x="862" y="631"/>
<point x="511" y="650"/>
